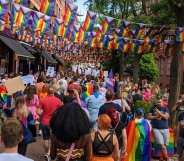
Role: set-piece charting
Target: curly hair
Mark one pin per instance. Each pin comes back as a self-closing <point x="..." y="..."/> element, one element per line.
<point x="69" y="123"/>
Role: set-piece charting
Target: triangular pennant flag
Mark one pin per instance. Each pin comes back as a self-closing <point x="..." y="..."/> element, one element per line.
<point x="47" y="7"/>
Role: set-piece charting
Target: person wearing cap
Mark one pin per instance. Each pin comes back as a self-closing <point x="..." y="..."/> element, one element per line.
<point x="93" y="103"/>
<point x="138" y="137"/>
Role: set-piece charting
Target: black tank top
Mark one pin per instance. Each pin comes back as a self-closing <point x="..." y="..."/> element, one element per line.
<point x="103" y="147"/>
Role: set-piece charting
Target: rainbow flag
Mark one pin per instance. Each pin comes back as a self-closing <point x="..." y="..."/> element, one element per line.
<point x="152" y="31"/>
<point x="89" y="87"/>
<point x="131" y="34"/>
<point x="169" y="147"/>
<point x="57" y="29"/>
<point x="124" y="45"/>
<point x="139" y="47"/>
<point x="74" y="34"/>
<point x="152" y="48"/>
<point x="24" y="2"/>
<point x="147" y="40"/>
<point x="65" y="31"/>
<point x="140" y="30"/>
<point x="20" y="15"/>
<point x="3" y="94"/>
<point x="41" y="22"/>
<point x="3" y="8"/>
<point x="2" y="25"/>
<point x="47" y="7"/>
<point x="168" y="48"/>
<point x="180" y="34"/>
<point x="14" y="29"/>
<point x="70" y="14"/>
<point x="124" y="29"/>
<point x="89" y="21"/>
<point x="139" y="141"/>
<point x="107" y="25"/>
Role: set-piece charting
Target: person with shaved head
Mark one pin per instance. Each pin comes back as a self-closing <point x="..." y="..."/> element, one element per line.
<point x="48" y="105"/>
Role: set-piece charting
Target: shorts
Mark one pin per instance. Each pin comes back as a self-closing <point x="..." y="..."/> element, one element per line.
<point x="180" y="146"/>
<point x="46" y="132"/>
<point x="161" y="136"/>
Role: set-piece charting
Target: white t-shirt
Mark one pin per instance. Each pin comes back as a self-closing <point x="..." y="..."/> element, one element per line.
<point x="13" y="157"/>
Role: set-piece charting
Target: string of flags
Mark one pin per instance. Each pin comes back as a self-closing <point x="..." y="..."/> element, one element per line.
<point x="47" y="32"/>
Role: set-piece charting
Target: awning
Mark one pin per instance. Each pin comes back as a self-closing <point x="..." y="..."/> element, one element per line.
<point x="29" y="47"/>
<point x="48" y="57"/>
<point x="60" y="60"/>
<point x="16" y="47"/>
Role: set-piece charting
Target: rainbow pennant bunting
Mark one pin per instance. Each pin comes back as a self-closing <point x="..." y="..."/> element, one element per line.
<point x="151" y="32"/>
<point x="3" y="8"/>
<point x="140" y="30"/>
<point x="168" y="48"/>
<point x="139" y="141"/>
<point x="152" y="48"/>
<point x="107" y="25"/>
<point x="75" y="34"/>
<point x="139" y="47"/>
<point x="47" y="7"/>
<point x="20" y="15"/>
<point x="41" y="22"/>
<point x="70" y="14"/>
<point x="180" y="34"/>
<point x="124" y="29"/>
<point x="57" y="29"/>
<point x="124" y="45"/>
<point x="89" y="21"/>
<point x="24" y="2"/>
<point x="147" y="40"/>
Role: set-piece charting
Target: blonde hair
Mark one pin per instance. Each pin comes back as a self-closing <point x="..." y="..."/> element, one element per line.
<point x="104" y="121"/>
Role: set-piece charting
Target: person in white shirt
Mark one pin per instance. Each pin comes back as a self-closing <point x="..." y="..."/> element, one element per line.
<point x="11" y="135"/>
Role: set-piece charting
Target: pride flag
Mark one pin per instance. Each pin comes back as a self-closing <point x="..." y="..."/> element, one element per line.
<point x="70" y="14"/>
<point x="3" y="94"/>
<point x="140" y="30"/>
<point x="47" y="7"/>
<point x="124" y="29"/>
<point x="139" y="47"/>
<point x="124" y="44"/>
<point x="89" y="21"/>
<point x="75" y="34"/>
<point x="107" y="25"/>
<point x="57" y="29"/>
<point x="2" y="25"/>
<point x="168" y="48"/>
<point x="41" y="22"/>
<point x="3" y="8"/>
<point x="139" y="141"/>
<point x="180" y="34"/>
<point x="24" y="2"/>
<point x="20" y="15"/>
<point x="109" y="81"/>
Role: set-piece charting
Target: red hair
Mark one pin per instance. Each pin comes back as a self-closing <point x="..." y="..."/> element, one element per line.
<point x="105" y="121"/>
<point x="113" y="114"/>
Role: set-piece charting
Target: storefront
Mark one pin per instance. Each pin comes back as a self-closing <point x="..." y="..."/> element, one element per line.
<point x="14" y="58"/>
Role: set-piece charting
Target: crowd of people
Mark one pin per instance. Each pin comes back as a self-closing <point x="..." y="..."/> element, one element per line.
<point x="78" y="125"/>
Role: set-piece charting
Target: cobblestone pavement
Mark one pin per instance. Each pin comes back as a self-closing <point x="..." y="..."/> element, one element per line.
<point x="36" y="152"/>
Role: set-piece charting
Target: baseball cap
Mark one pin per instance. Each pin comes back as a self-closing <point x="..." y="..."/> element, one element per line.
<point x="139" y="112"/>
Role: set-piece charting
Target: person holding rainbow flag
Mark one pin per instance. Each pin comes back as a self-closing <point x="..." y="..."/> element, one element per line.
<point x="138" y="139"/>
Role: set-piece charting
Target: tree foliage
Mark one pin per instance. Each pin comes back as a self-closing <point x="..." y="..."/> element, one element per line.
<point x="148" y="67"/>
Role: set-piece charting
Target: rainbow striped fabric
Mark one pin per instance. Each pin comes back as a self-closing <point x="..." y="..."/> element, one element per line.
<point x="89" y="21"/>
<point x="41" y="22"/>
<point x="24" y="2"/>
<point x="47" y="7"/>
<point x="140" y="30"/>
<point x="124" y="29"/>
<point x="168" y="48"/>
<point x="139" y="141"/>
<point x="58" y="27"/>
<point x="107" y="25"/>
<point x="3" y="8"/>
<point x="70" y="14"/>
<point x="20" y="15"/>
<point x="2" y="25"/>
<point x="169" y="147"/>
<point x="180" y="34"/>
<point x="3" y="94"/>
<point x="124" y="45"/>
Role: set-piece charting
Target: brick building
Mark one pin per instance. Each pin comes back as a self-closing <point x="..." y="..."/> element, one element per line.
<point x="163" y="62"/>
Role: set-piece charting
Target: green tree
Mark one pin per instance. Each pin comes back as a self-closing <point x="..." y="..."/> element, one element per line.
<point x="148" y="67"/>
